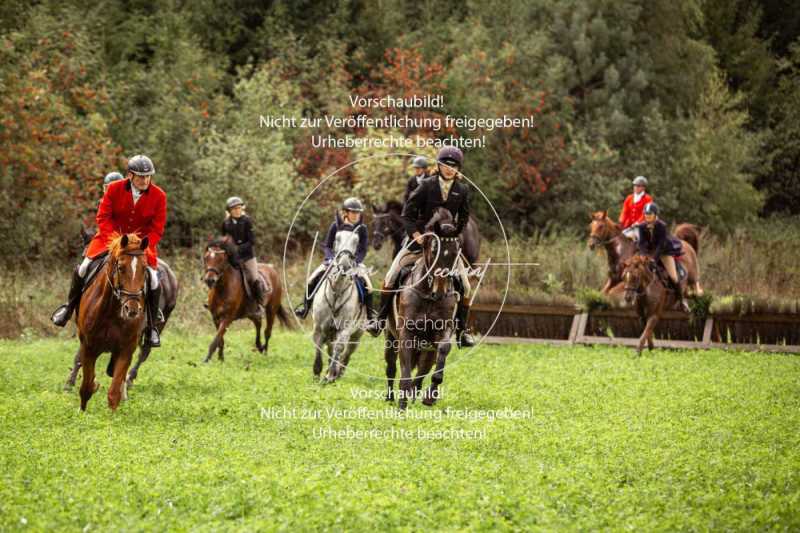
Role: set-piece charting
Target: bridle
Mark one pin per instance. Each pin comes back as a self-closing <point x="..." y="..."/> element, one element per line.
<point x="429" y="270"/>
<point x="216" y="270"/>
<point x="119" y="293"/>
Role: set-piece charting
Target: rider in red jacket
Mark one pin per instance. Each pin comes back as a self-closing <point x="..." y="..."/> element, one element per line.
<point x="133" y="205"/>
<point x="633" y="207"/>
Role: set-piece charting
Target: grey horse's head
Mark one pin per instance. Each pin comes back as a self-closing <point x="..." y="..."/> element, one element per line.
<point x="344" y="247"/>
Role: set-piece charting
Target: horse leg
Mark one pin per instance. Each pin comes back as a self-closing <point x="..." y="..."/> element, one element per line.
<point x="390" y="356"/>
<point x="116" y="392"/>
<point x="647" y="334"/>
<point x="257" y="323"/>
<point x="144" y="353"/>
<point x="218" y="342"/>
<point x="406" y="385"/>
<point x="73" y="374"/>
<point x="270" y="314"/>
<point x="423" y="369"/>
<point x="317" y="353"/>
<point x="88" y="384"/>
<point x="432" y="392"/>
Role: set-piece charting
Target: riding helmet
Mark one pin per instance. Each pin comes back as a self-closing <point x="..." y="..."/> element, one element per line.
<point x="651" y="209"/>
<point x="141" y="165"/>
<point x="451" y="156"/>
<point x="640" y="180"/>
<point x="111" y="177"/>
<point x="232" y="202"/>
<point x="353" y="204"/>
<point x="420" y="162"/>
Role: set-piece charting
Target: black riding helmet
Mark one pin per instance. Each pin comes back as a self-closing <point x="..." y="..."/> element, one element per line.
<point x="353" y="204"/>
<point x="141" y="165"/>
<point x="420" y="162"/>
<point x="451" y="156"/>
<point x="651" y="209"/>
<point x="111" y="177"/>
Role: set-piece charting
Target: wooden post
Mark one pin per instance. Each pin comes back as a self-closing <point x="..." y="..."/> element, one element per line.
<point x="709" y="327"/>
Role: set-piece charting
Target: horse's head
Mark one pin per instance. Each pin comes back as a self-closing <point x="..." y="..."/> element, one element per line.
<point x="385" y="223"/>
<point x="637" y="275"/>
<point x="601" y="230"/>
<point x="441" y="247"/>
<point x="344" y="247"/>
<point x="219" y="254"/>
<point x="126" y="273"/>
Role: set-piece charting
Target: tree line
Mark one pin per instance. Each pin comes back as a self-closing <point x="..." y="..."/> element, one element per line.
<point x="703" y="97"/>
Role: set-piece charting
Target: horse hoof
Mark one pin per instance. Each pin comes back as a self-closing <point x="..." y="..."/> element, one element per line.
<point x="428" y="401"/>
<point x="68" y="386"/>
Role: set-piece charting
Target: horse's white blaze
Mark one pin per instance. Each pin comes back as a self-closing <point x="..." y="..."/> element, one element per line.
<point x="133" y="269"/>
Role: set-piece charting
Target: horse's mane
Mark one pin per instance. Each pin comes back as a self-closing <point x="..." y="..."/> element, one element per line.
<point x="440" y="216"/>
<point x="638" y="261"/>
<point x="115" y="244"/>
<point x="227" y="245"/>
<point x="394" y="206"/>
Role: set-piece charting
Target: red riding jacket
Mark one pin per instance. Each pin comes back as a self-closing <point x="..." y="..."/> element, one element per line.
<point x="633" y="212"/>
<point x="117" y="213"/>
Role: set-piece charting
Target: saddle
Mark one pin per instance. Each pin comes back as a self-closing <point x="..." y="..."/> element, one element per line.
<point x="97" y="264"/>
<point x="249" y="290"/>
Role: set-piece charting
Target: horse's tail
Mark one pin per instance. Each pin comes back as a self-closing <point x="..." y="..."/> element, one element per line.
<point x="283" y="316"/>
<point x="689" y="233"/>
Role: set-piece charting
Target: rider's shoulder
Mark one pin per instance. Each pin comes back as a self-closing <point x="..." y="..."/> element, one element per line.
<point x="158" y="191"/>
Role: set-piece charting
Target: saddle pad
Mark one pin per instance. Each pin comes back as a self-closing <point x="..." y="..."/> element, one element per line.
<point x="362" y="290"/>
<point x="681" y="270"/>
<point x="95" y="266"/>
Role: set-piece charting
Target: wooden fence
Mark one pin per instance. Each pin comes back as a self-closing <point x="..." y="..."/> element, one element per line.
<point x="567" y="326"/>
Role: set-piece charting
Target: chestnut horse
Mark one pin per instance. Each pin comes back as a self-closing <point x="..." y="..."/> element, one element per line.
<point x="111" y="316"/>
<point x="228" y="300"/>
<point x="605" y="232"/>
<point x="646" y="291"/>
<point x="169" y="297"/>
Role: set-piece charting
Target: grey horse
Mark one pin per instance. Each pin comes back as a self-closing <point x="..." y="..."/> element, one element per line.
<point x="337" y="311"/>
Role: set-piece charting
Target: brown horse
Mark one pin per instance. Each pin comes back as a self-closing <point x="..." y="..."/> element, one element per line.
<point x="228" y="300"/>
<point x="111" y="316"/>
<point x="605" y="232"/>
<point x="419" y="329"/>
<point x="646" y="291"/>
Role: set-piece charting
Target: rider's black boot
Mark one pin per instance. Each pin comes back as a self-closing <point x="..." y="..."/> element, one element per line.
<point x="154" y="318"/>
<point x="376" y="324"/>
<point x="463" y="337"/>
<point x="301" y="311"/>
<point x="682" y="303"/>
<point x="62" y="315"/>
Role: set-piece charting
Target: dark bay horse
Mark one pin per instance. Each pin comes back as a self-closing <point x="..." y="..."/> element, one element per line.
<point x="388" y="224"/>
<point x="647" y="292"/>
<point x="420" y="326"/>
<point x="228" y="300"/>
<point x="606" y="233"/>
<point x="111" y="316"/>
<point x="169" y="297"/>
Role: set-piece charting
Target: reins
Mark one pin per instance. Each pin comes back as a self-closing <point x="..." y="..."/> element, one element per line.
<point x="119" y="292"/>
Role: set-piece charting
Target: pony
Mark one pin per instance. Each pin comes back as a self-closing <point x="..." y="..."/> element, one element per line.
<point x="228" y="300"/>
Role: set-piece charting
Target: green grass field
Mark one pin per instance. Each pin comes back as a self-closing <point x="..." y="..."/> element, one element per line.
<point x="673" y="440"/>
